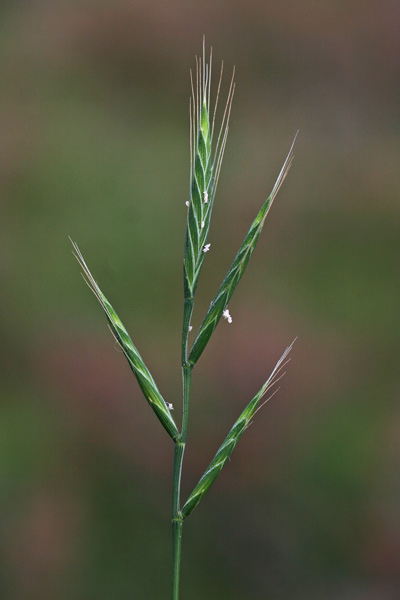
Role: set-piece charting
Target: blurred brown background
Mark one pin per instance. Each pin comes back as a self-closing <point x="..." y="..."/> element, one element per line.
<point x="94" y="144"/>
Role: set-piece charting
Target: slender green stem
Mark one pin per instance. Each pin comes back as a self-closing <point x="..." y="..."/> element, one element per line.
<point x="177" y="538"/>
<point x="177" y="519"/>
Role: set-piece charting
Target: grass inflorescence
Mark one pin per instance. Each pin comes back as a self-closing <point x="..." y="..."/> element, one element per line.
<point x="206" y="153"/>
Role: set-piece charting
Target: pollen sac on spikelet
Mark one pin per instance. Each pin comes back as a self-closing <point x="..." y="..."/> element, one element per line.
<point x="205" y="164"/>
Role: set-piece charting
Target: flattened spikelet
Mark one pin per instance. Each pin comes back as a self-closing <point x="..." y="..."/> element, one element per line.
<point x="235" y="273"/>
<point x="142" y="374"/>
<point x="232" y="438"/>
<point x="205" y="166"/>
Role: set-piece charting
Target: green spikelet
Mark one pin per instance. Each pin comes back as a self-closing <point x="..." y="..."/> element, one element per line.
<point x="142" y="374"/>
<point x="205" y="167"/>
<point x="231" y="440"/>
<point x="199" y="211"/>
<point x="235" y="273"/>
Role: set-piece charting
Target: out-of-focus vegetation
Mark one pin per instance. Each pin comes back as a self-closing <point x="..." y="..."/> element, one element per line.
<point x="94" y="144"/>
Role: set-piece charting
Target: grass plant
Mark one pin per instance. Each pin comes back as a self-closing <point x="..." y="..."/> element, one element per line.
<point x="206" y="153"/>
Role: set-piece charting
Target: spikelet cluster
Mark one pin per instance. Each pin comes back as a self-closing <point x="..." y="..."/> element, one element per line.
<point x="206" y="156"/>
<point x="205" y="164"/>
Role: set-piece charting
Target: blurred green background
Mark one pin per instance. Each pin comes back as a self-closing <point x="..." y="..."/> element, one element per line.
<point x="94" y="144"/>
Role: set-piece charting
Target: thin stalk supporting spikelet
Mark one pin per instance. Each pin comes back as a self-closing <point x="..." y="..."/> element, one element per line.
<point x="232" y="439"/>
<point x="141" y="372"/>
<point x="205" y="165"/>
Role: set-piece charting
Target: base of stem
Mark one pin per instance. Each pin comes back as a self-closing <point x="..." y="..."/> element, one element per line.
<point x="177" y="525"/>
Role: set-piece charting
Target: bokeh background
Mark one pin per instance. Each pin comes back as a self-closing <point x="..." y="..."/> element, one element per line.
<point x="94" y="144"/>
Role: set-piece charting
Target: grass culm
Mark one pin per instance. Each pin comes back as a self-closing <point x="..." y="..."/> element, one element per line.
<point x="207" y="145"/>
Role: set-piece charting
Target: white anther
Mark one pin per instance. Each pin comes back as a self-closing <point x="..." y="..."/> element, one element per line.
<point x="202" y="224"/>
<point x="187" y="203"/>
<point x="169" y="405"/>
<point x="190" y="328"/>
<point x="205" y="197"/>
<point x="227" y="316"/>
<point x="206" y="248"/>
